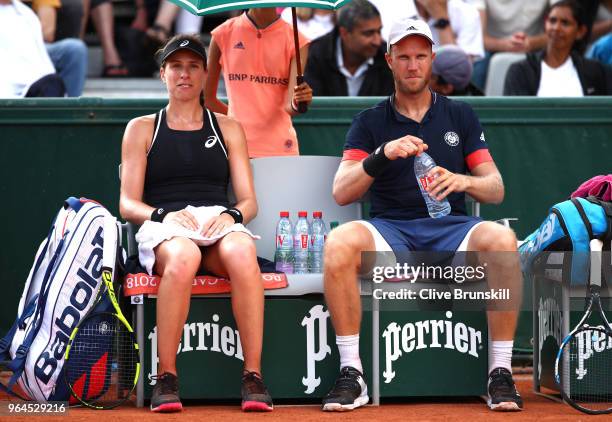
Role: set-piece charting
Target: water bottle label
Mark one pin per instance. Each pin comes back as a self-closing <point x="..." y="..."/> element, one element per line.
<point x="318" y="240"/>
<point x="425" y="181"/>
<point x="281" y="240"/>
<point x="304" y="241"/>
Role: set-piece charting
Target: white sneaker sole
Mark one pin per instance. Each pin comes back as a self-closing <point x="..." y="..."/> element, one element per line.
<point x="337" y="407"/>
<point x="505" y="406"/>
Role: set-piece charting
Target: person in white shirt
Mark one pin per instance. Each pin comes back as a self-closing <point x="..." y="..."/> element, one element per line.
<point x="451" y="21"/>
<point x="392" y="11"/>
<point x="27" y="70"/>
<point x="559" y="70"/>
<point x="312" y="23"/>
<point x="454" y="22"/>
<point x="509" y="26"/>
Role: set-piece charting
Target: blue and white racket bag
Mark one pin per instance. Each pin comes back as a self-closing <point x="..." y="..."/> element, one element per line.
<point x="61" y="288"/>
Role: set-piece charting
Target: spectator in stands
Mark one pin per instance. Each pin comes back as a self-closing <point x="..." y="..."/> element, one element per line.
<point x="509" y="26"/>
<point x="603" y="20"/>
<point x="392" y="11"/>
<point x="453" y="22"/>
<point x="559" y="70"/>
<point x="313" y="23"/>
<point x="165" y="170"/>
<point x="103" y="20"/>
<point x="69" y="55"/>
<point x="451" y="72"/>
<point x="27" y="70"/>
<point x="601" y="49"/>
<point x="256" y="51"/>
<point x="350" y="61"/>
<point x="167" y="15"/>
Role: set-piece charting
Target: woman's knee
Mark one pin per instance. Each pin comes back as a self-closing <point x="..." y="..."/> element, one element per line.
<point x="178" y="258"/>
<point x="238" y="249"/>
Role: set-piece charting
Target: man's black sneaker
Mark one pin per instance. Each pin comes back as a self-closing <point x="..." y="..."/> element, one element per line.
<point x="165" y="396"/>
<point x="255" y="396"/>
<point x="349" y="392"/>
<point x="502" y="392"/>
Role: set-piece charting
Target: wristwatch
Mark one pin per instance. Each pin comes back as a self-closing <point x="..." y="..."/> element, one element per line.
<point x="441" y="23"/>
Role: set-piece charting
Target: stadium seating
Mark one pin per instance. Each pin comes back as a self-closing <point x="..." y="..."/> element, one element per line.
<point x="498" y="66"/>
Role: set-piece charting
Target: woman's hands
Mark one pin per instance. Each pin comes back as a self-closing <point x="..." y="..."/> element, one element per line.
<point x="210" y="228"/>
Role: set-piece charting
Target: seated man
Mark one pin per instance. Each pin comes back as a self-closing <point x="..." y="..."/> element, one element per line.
<point x="379" y="156"/>
<point x="350" y="60"/>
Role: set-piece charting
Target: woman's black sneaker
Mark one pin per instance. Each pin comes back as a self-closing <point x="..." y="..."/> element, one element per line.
<point x="255" y="396"/>
<point x="165" y="396"/>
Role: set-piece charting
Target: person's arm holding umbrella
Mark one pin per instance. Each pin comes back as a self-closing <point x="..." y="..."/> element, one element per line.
<point x="214" y="69"/>
<point x="298" y="93"/>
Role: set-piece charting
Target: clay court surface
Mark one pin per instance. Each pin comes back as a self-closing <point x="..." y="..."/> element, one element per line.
<point x="456" y="409"/>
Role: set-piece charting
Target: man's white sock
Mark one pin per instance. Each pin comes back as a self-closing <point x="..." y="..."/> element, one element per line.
<point x="500" y="354"/>
<point x="348" y="347"/>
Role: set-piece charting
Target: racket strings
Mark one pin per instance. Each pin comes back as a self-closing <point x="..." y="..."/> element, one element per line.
<point x="101" y="367"/>
<point x="587" y="369"/>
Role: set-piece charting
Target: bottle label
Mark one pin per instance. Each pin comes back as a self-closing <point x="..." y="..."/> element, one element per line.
<point x="425" y="181"/>
<point x="318" y="240"/>
<point x="300" y="242"/>
<point x="280" y="240"/>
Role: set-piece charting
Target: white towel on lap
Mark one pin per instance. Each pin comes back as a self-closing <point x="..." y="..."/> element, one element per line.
<point x="152" y="233"/>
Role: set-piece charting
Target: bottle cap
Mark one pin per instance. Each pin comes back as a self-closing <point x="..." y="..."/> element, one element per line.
<point x="317" y="214"/>
<point x="284" y="214"/>
<point x="302" y="214"/>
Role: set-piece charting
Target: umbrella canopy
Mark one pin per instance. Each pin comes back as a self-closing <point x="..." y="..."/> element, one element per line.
<point x="207" y="7"/>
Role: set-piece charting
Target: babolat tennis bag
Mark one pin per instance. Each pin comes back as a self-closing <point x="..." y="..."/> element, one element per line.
<point x="61" y="288"/>
<point x="570" y="226"/>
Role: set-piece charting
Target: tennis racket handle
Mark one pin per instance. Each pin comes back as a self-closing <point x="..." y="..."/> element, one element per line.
<point x="301" y="107"/>
<point x="596" y="247"/>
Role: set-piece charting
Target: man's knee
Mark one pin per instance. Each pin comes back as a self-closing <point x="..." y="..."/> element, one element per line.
<point x="180" y="259"/>
<point x="493" y="237"/>
<point x="344" y="245"/>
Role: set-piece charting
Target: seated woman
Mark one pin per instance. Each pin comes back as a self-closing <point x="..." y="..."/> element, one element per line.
<point x="176" y="167"/>
<point x="560" y="70"/>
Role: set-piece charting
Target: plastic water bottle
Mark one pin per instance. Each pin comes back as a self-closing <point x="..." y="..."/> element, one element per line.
<point x="301" y="243"/>
<point x="284" y="244"/>
<point x="317" y="240"/>
<point x="423" y="163"/>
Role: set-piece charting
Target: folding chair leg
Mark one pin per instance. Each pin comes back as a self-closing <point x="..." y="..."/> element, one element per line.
<point x="140" y="338"/>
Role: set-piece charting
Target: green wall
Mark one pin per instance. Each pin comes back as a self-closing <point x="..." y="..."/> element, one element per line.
<point x="52" y="149"/>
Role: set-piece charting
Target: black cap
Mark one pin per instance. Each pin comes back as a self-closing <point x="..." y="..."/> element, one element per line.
<point x="182" y="44"/>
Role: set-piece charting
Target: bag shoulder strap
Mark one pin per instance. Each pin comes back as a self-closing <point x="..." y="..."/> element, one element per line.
<point x="583" y="217"/>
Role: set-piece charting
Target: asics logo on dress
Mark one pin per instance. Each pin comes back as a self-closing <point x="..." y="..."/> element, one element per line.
<point x="239" y="45"/>
<point x="211" y="141"/>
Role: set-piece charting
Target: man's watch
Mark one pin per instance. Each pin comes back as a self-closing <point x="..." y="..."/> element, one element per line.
<point x="441" y="23"/>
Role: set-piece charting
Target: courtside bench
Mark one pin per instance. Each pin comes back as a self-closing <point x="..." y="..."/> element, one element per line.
<point x="401" y="354"/>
